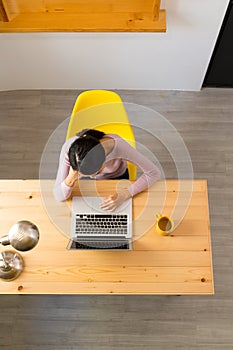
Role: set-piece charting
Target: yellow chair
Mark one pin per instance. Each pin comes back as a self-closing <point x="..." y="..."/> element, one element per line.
<point x="102" y="110"/>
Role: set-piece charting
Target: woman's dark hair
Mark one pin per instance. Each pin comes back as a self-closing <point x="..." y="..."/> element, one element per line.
<point x="86" y="154"/>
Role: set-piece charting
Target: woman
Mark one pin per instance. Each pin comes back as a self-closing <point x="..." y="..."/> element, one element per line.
<point x="101" y="156"/>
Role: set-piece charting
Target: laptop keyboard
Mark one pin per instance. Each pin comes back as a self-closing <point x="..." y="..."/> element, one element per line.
<point x="100" y="245"/>
<point x="101" y="224"/>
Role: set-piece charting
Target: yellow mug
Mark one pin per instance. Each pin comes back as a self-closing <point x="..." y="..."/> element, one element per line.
<point x="164" y="224"/>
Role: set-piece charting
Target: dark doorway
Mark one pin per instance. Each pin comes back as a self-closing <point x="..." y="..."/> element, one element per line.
<point x="220" y="70"/>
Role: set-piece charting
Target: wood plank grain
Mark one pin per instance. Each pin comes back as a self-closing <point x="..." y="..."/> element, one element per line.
<point x="157" y="199"/>
<point x="84" y="6"/>
<point x="115" y="274"/>
<point x="161" y="185"/>
<point x="150" y="241"/>
<point x="103" y="258"/>
<point x="85" y="22"/>
<point x="16" y="287"/>
<point x="102" y="185"/>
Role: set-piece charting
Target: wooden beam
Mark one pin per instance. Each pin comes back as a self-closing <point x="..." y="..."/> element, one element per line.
<point x="117" y="22"/>
<point x="155" y="10"/>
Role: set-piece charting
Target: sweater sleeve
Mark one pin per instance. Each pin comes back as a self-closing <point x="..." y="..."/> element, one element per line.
<point x="151" y="173"/>
<point x="61" y="191"/>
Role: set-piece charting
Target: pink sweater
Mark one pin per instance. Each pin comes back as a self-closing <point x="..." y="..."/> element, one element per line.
<point x="115" y="165"/>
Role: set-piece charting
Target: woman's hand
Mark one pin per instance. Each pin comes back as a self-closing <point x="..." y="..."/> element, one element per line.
<point x="71" y="177"/>
<point x="115" y="200"/>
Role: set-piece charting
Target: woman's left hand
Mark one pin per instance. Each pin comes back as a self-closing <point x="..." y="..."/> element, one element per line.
<point x="115" y="200"/>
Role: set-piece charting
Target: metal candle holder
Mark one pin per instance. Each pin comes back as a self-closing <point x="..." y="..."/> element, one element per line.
<point x="23" y="236"/>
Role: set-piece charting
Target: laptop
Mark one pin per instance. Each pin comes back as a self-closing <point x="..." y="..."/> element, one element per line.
<point x="93" y="228"/>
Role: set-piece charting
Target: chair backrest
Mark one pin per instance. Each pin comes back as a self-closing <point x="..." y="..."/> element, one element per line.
<point x="102" y="110"/>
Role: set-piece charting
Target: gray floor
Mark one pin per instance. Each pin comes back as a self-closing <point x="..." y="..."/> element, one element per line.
<point x="205" y="122"/>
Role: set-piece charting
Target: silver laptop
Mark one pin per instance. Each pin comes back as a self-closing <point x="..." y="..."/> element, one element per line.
<point x="93" y="228"/>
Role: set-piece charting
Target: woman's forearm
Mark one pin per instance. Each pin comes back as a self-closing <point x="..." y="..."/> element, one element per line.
<point x="71" y="177"/>
<point x="62" y="192"/>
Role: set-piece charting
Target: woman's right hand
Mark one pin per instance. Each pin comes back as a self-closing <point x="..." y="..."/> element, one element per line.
<point x="72" y="176"/>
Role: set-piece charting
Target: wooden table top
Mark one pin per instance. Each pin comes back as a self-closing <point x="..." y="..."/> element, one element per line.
<point x="180" y="263"/>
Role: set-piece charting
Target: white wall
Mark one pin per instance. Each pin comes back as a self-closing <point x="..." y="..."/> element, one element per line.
<point x="176" y="60"/>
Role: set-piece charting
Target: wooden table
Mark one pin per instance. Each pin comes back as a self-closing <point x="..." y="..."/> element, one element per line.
<point x="177" y="264"/>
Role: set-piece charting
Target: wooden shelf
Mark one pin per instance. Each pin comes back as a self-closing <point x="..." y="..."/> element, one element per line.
<point x="83" y="16"/>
